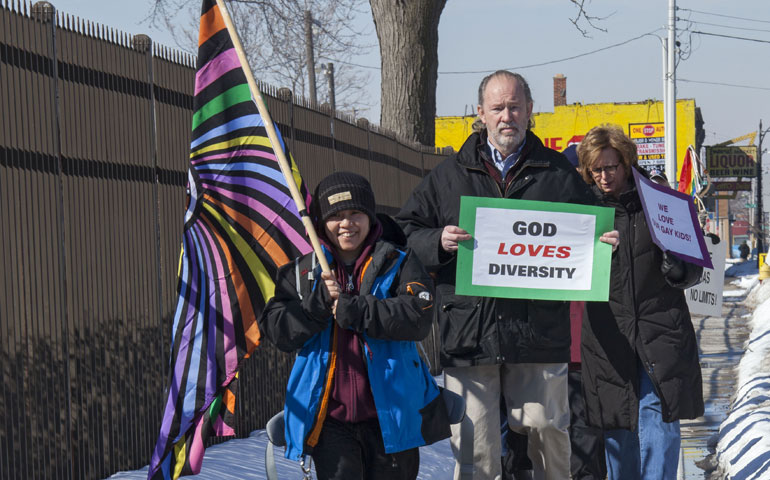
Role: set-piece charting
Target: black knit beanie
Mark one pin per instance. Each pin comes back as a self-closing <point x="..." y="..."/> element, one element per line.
<point x="344" y="191"/>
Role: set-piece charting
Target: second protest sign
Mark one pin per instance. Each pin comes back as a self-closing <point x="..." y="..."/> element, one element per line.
<point x="534" y="250"/>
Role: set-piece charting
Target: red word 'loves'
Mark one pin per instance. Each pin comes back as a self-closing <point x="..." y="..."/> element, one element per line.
<point x="550" y="251"/>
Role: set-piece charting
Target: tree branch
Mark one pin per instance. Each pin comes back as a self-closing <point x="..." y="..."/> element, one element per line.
<point x="589" y="19"/>
<point x="272" y="32"/>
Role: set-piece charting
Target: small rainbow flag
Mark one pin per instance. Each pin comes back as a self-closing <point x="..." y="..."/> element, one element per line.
<point x="688" y="175"/>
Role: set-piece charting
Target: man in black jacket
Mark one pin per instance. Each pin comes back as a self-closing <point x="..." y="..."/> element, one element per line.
<point x="491" y="346"/>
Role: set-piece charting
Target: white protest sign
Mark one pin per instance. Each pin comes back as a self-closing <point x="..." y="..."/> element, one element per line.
<point x="536" y="250"/>
<point x="706" y="297"/>
<point x="672" y="221"/>
<point x="557" y="253"/>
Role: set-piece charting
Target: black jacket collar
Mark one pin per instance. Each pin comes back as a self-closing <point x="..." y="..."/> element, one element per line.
<point x="474" y="151"/>
<point x="629" y="199"/>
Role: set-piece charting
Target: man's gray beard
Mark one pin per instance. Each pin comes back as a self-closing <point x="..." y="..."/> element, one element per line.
<point x="508" y="142"/>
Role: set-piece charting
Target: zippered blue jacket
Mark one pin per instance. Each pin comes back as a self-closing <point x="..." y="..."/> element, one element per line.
<point x="396" y="312"/>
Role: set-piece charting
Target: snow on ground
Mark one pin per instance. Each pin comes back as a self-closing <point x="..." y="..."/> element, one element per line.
<point x="244" y="459"/>
<point x="743" y="450"/>
<point x="748" y="282"/>
<point x="733" y="293"/>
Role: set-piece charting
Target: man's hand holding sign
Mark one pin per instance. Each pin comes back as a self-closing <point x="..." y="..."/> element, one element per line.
<point x="535" y="250"/>
<point x="451" y="237"/>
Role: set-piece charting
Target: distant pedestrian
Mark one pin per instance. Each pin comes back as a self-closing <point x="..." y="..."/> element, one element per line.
<point x="659" y="177"/>
<point x="744" y="250"/>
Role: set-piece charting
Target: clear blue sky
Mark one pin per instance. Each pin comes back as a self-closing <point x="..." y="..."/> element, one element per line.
<point x="483" y="35"/>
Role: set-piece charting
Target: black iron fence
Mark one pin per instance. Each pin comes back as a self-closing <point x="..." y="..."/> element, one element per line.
<point x="94" y="142"/>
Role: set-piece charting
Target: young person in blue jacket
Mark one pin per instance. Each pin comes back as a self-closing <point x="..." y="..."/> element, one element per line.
<point x="359" y="400"/>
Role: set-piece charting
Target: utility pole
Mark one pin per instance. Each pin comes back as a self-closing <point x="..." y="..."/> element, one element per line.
<point x="663" y="43"/>
<point x="670" y="100"/>
<point x="328" y="69"/>
<point x="310" y="57"/>
<point x="760" y="217"/>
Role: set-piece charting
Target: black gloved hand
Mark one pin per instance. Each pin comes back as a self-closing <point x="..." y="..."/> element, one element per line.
<point x="673" y="267"/>
<point x="345" y="317"/>
<point x="317" y="305"/>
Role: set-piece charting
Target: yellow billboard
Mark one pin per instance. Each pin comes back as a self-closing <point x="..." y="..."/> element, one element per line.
<point x="568" y="124"/>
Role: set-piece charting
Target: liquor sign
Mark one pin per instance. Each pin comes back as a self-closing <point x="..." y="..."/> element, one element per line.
<point x="731" y="161"/>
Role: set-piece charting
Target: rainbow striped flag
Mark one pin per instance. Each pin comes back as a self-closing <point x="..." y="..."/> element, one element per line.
<point x="688" y="175"/>
<point x="241" y="224"/>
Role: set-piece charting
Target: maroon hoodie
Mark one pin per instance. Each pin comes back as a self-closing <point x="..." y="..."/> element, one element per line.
<point x="351" y="398"/>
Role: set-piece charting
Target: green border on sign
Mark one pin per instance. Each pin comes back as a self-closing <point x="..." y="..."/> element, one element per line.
<point x="600" y="277"/>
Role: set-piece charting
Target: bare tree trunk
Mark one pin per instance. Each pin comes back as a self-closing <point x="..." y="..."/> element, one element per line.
<point x="408" y="34"/>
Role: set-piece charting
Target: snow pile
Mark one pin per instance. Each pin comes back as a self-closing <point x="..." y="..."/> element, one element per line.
<point x="733" y="293"/>
<point x="744" y="436"/>
<point x="758" y="293"/>
<point x="747" y="282"/>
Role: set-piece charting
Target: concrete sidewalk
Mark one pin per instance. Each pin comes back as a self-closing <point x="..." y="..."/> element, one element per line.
<point x="720" y="341"/>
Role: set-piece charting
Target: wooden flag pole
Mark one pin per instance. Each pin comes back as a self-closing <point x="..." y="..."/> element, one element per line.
<point x="273" y="136"/>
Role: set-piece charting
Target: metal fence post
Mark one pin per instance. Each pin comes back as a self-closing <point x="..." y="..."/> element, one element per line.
<point x="144" y="44"/>
<point x="285" y="94"/>
<point x="46" y="13"/>
<point x="334" y="142"/>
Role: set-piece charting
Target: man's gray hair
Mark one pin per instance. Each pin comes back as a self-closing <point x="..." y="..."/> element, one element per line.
<point x="478" y="125"/>
<point x="509" y="75"/>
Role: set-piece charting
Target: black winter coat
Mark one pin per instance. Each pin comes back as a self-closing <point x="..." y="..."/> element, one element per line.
<point x="289" y="322"/>
<point x="647" y="319"/>
<point x="483" y="330"/>
<point x="393" y="312"/>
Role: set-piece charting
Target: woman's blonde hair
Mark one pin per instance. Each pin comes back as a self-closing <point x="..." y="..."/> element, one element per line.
<point x="599" y="138"/>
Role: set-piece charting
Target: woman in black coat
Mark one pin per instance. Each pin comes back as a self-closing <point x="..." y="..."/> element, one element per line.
<point x="641" y="372"/>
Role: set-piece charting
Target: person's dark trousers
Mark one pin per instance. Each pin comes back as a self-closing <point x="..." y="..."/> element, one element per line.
<point x="353" y="451"/>
<point x="516" y="463"/>
<point x="587" y="460"/>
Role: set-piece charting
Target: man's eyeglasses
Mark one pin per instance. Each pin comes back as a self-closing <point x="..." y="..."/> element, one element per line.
<point x="609" y="170"/>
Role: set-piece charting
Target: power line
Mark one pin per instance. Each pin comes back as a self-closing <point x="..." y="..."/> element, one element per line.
<point x="520" y="67"/>
<point x="731" y="36"/>
<point x="555" y="61"/>
<point x="722" y="84"/>
<point x="350" y="63"/>
<point x="728" y="26"/>
<point x="725" y="16"/>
